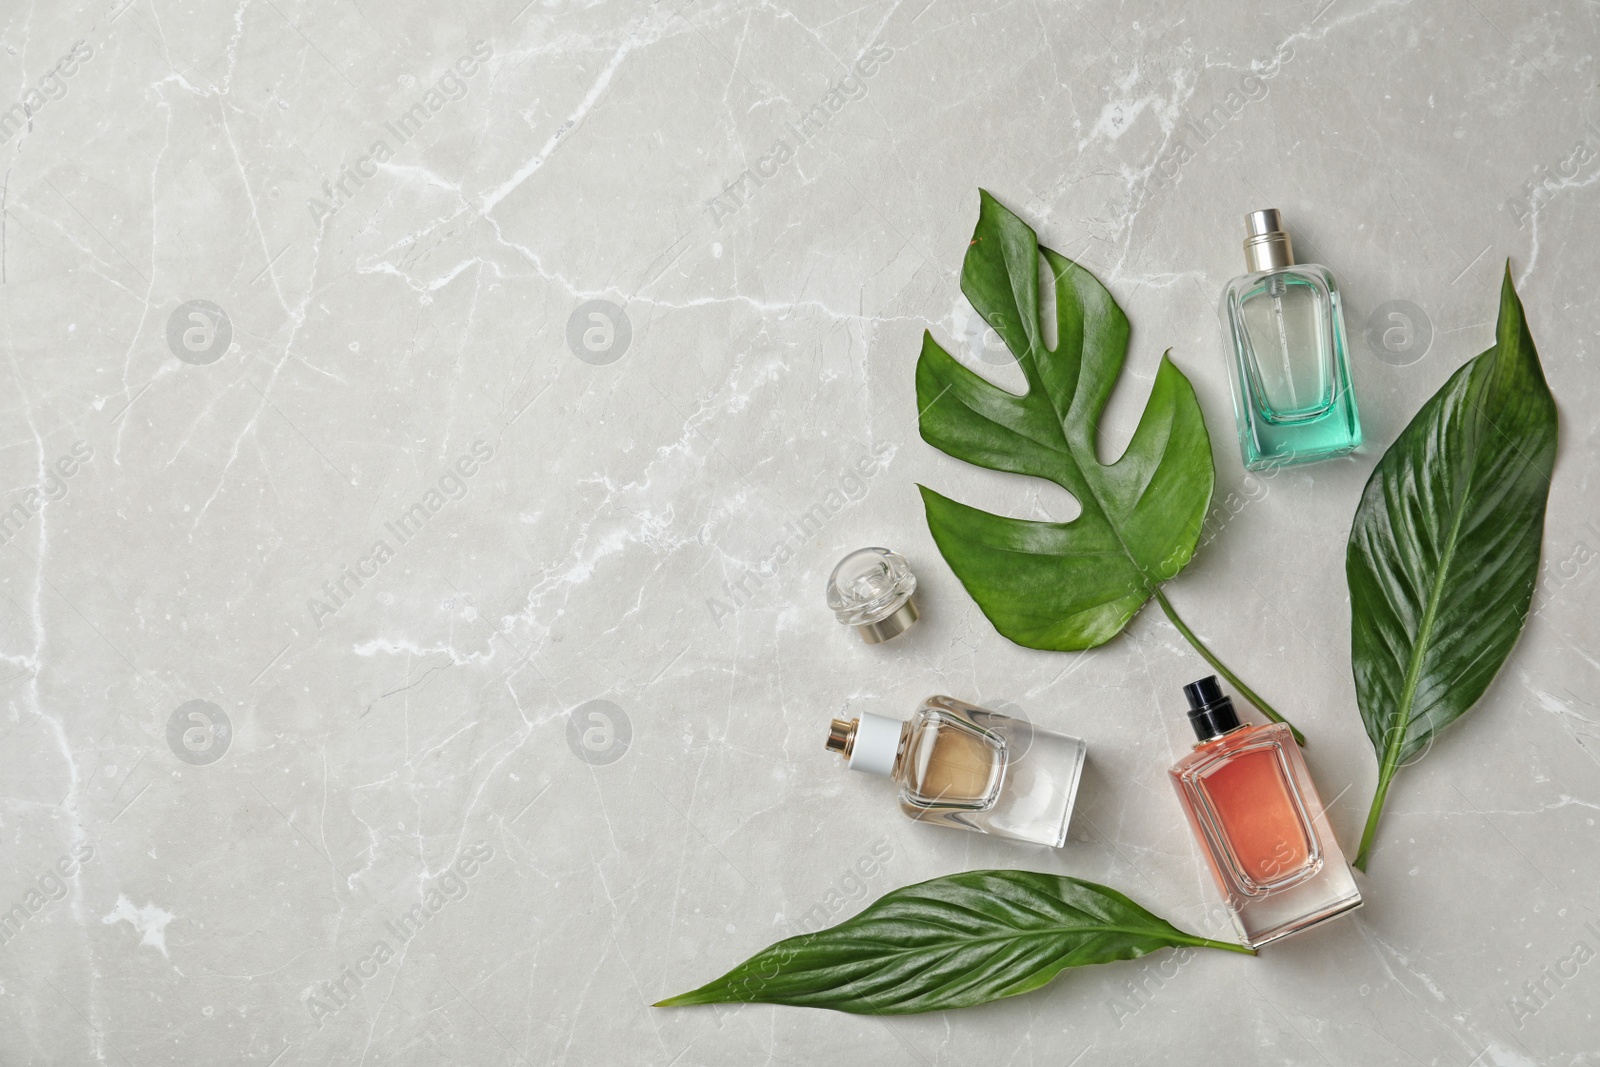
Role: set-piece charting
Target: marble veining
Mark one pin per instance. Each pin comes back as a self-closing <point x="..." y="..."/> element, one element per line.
<point x="429" y="430"/>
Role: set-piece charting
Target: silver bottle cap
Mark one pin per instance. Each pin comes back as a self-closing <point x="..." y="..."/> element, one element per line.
<point x="871" y="590"/>
<point x="1267" y="246"/>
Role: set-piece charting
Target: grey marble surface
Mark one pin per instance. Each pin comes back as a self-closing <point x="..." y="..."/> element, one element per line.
<point x="488" y="423"/>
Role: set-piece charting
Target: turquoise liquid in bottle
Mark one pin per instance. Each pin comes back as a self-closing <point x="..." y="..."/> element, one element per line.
<point x="1292" y="396"/>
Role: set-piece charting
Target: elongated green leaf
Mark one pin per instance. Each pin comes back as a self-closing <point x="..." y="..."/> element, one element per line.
<point x="1444" y="550"/>
<point x="949" y="943"/>
<point x="1060" y="585"/>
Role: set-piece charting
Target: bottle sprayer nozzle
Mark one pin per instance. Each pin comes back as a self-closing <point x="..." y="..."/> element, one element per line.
<point x="1210" y="709"/>
<point x="1260" y="223"/>
<point x="1266" y="246"/>
<point x="841" y="737"/>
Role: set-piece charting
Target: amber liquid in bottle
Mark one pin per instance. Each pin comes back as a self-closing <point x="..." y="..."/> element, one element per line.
<point x="949" y="762"/>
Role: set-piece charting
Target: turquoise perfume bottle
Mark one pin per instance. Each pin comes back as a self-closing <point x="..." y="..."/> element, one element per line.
<point x="1291" y="371"/>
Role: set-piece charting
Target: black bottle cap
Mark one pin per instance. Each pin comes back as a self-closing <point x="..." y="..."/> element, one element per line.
<point x="1210" y="711"/>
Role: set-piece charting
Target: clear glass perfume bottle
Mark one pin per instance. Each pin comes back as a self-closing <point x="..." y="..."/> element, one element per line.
<point x="1291" y="370"/>
<point x="1254" y="810"/>
<point x="960" y="765"/>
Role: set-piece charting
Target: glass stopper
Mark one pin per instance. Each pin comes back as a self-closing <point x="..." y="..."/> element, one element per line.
<point x="871" y="590"/>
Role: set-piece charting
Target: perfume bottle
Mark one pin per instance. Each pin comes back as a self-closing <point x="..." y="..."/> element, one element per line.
<point x="1291" y="371"/>
<point x="960" y="765"/>
<point x="871" y="589"/>
<point x="1255" y="812"/>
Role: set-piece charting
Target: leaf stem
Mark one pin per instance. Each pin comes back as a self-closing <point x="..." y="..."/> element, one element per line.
<point x="1206" y="942"/>
<point x="1221" y="668"/>
<point x="1371" y="830"/>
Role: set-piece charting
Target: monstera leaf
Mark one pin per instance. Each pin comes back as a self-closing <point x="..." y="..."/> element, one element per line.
<point x="1444" y="550"/>
<point x="1073" y="585"/>
<point x="950" y="942"/>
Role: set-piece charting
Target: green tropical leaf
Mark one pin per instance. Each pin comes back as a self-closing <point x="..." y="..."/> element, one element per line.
<point x="950" y="942"/>
<point x="1063" y="586"/>
<point x="1444" y="550"/>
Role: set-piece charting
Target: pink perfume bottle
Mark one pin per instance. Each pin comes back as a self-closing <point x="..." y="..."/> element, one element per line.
<point x="1255" y="811"/>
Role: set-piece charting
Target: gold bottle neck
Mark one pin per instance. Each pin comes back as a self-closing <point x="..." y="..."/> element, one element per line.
<point x="1219" y="738"/>
<point x="841" y="737"/>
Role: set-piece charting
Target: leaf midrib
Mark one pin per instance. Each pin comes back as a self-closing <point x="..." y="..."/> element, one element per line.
<point x="1054" y="931"/>
<point x="974" y="974"/>
<point x="1408" y="694"/>
<point x="1077" y="462"/>
<point x="1036" y="349"/>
